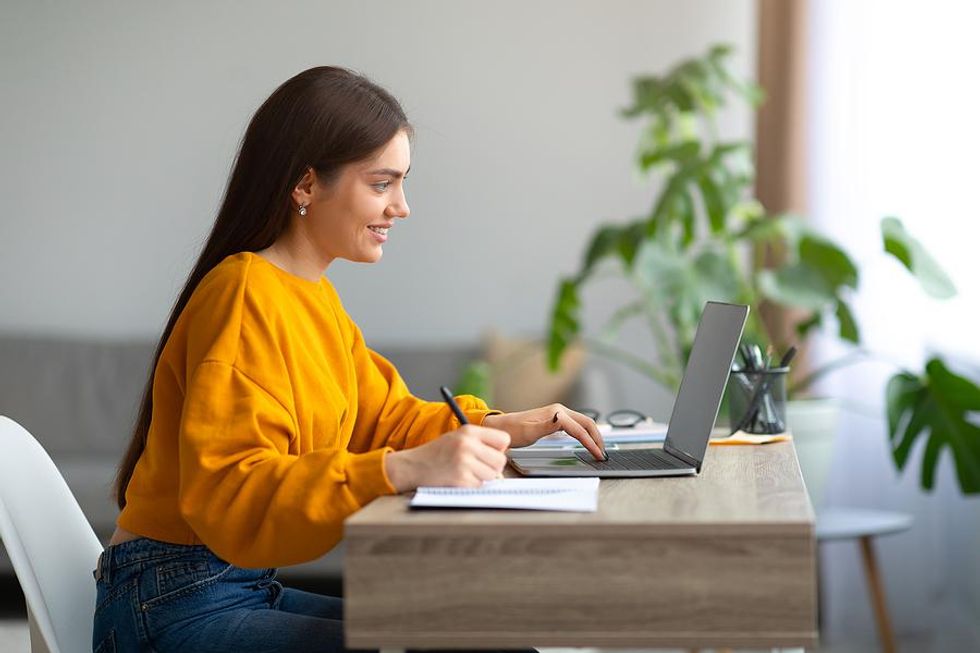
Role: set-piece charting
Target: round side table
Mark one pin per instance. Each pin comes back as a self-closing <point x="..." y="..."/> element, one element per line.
<point x="863" y="525"/>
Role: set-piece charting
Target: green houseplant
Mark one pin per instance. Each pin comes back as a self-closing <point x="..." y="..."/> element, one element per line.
<point x="706" y="237"/>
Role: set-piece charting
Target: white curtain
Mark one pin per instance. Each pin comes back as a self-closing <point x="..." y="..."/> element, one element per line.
<point x="894" y="107"/>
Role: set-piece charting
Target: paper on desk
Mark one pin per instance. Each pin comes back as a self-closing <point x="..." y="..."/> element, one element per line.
<point x="646" y="431"/>
<point x="741" y="437"/>
<point x="566" y="494"/>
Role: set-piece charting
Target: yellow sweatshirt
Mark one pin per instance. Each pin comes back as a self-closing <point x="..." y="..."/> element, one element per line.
<point x="271" y="420"/>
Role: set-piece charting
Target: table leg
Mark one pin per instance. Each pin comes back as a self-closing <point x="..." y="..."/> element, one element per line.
<point x="877" y="595"/>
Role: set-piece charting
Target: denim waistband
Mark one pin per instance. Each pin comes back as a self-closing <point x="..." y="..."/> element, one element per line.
<point x="142" y="550"/>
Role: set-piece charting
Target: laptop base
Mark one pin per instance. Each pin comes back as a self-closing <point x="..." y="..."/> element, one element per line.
<point x="572" y="463"/>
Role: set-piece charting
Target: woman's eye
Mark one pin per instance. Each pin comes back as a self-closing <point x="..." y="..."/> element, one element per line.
<point x="381" y="186"/>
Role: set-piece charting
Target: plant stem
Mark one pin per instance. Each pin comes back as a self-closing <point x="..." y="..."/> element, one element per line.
<point x="666" y="379"/>
<point x="666" y="350"/>
<point x="760" y="326"/>
<point x="747" y="293"/>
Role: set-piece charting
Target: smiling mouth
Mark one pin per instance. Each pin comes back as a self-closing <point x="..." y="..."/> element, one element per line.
<point x="380" y="230"/>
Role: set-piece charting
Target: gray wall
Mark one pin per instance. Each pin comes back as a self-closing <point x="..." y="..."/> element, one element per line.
<point x="119" y="122"/>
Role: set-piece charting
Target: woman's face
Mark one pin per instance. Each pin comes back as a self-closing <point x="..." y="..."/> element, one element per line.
<point x="350" y="217"/>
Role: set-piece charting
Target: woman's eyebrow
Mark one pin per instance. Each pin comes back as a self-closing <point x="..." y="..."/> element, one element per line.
<point x="389" y="171"/>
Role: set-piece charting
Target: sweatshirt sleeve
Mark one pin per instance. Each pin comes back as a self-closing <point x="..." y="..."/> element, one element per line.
<point x="388" y="415"/>
<point x="241" y="490"/>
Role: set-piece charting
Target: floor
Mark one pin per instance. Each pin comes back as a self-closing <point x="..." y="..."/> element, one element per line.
<point x="13" y="636"/>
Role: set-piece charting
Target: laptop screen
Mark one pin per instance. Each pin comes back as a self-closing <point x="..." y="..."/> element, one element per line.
<point x="699" y="398"/>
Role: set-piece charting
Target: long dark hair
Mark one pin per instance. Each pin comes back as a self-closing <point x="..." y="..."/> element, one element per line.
<point x="323" y="118"/>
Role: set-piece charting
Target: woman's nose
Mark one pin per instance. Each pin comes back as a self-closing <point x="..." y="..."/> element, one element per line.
<point x="399" y="209"/>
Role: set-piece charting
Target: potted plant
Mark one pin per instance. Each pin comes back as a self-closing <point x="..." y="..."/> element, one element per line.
<point x="706" y="237"/>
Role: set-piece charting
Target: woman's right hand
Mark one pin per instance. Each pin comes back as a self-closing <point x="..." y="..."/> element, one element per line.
<point x="465" y="457"/>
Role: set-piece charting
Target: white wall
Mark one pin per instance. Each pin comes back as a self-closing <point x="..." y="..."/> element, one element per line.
<point x="119" y="121"/>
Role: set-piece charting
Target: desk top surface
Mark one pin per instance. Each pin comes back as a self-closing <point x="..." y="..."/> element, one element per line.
<point x="750" y="489"/>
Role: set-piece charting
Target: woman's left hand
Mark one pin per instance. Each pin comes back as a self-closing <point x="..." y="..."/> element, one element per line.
<point x="526" y="427"/>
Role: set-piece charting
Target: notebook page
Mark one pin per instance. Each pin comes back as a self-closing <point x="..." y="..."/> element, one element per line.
<point x="564" y="494"/>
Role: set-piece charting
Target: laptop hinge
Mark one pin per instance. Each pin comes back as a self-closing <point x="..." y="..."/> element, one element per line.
<point x="683" y="457"/>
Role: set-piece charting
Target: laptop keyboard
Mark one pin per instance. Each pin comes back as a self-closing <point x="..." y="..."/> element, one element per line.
<point x="633" y="460"/>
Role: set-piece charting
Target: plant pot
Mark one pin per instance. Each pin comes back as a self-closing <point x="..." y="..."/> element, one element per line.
<point x="813" y="423"/>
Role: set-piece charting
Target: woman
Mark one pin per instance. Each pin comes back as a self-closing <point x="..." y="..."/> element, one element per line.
<point x="266" y="420"/>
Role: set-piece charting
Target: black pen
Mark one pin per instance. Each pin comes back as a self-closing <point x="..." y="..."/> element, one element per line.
<point x="448" y="396"/>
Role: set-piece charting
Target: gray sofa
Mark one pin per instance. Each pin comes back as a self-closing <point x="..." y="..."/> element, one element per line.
<point x="79" y="399"/>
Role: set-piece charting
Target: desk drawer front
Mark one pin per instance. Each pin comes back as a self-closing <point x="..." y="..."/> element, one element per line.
<point x="550" y="591"/>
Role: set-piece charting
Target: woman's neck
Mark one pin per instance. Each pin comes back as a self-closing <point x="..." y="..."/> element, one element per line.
<point x="294" y="253"/>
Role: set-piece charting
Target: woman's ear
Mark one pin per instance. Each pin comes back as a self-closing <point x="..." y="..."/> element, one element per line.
<point x="303" y="192"/>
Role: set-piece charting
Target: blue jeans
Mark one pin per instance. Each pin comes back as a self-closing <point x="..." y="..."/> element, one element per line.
<point x="154" y="596"/>
<point x="159" y="597"/>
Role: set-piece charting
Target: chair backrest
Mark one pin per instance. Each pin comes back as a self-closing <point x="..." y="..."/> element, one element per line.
<point x="50" y="543"/>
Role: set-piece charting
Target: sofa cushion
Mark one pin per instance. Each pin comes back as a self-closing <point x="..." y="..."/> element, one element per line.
<point x="90" y="480"/>
<point x="76" y="397"/>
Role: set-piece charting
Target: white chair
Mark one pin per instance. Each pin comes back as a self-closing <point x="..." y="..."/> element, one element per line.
<point x="50" y="543"/>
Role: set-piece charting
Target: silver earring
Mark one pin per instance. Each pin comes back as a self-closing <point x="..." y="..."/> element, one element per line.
<point x="302" y="209"/>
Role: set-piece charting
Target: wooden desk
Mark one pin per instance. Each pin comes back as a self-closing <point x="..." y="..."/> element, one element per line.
<point x="723" y="559"/>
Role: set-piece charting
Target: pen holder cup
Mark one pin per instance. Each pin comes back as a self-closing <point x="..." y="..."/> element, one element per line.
<point x="757" y="400"/>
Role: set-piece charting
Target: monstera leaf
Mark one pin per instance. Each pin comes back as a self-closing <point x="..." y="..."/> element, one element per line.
<point x="681" y="282"/>
<point x="937" y="406"/>
<point x="899" y="243"/>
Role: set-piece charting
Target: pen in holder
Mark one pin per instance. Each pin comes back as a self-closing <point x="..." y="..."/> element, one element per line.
<point x="757" y="392"/>
<point x="757" y="400"/>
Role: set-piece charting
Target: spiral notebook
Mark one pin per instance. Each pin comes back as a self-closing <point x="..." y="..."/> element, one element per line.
<point x="565" y="494"/>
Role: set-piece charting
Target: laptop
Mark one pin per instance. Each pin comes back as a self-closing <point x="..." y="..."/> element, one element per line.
<point x="691" y="420"/>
